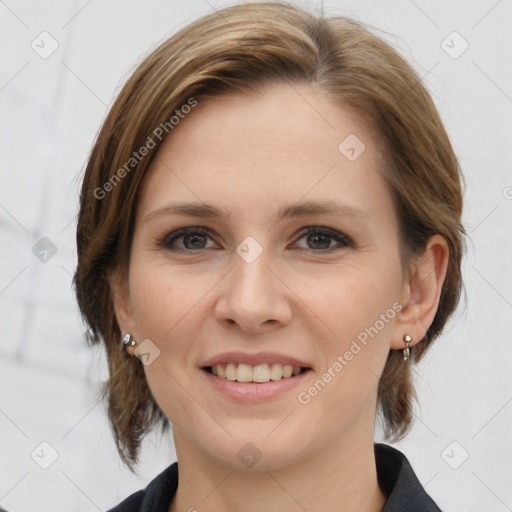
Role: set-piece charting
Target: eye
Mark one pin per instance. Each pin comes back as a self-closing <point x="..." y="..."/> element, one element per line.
<point x="192" y="238"/>
<point x="320" y="239"/>
<point x="195" y="238"/>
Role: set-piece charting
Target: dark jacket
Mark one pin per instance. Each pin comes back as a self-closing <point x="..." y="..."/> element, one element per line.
<point x="394" y="473"/>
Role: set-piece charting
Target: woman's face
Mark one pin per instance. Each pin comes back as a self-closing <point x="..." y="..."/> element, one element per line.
<point x="273" y="280"/>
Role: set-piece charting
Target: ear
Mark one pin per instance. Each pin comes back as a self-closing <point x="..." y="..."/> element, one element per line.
<point x="120" y="290"/>
<point x="421" y="293"/>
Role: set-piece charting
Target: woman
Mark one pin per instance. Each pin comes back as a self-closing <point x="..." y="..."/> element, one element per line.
<point x="270" y="224"/>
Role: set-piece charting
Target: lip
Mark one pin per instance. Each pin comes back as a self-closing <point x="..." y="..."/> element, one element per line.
<point x="253" y="392"/>
<point x="253" y="359"/>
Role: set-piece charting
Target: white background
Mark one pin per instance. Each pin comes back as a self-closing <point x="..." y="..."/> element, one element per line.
<point x="51" y="111"/>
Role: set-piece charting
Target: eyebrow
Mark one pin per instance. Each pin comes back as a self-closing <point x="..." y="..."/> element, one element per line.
<point x="287" y="212"/>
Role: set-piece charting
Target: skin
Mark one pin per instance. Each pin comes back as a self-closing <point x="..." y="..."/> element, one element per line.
<point x="251" y="155"/>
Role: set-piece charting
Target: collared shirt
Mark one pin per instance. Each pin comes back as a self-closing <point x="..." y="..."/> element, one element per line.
<point x="396" y="478"/>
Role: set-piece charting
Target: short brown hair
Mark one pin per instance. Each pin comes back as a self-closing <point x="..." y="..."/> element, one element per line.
<point x="237" y="49"/>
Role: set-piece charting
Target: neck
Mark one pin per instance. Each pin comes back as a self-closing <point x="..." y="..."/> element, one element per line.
<point x="343" y="478"/>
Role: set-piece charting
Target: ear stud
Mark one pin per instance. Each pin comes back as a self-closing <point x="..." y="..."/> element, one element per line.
<point x="407" y="339"/>
<point x="128" y="341"/>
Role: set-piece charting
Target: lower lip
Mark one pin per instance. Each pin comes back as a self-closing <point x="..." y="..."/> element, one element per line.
<point x="253" y="392"/>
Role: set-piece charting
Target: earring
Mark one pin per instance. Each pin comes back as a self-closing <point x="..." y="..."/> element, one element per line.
<point x="407" y="338"/>
<point x="128" y="341"/>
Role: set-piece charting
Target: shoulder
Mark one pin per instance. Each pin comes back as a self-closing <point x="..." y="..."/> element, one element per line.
<point x="399" y="482"/>
<point x="155" y="497"/>
<point x="130" y="504"/>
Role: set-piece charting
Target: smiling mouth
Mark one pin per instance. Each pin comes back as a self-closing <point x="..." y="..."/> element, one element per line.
<point x="260" y="373"/>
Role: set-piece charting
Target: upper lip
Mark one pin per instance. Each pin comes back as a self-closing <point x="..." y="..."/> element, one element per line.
<point x="254" y="359"/>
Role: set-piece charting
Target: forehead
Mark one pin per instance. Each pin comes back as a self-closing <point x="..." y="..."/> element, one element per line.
<point x="251" y="154"/>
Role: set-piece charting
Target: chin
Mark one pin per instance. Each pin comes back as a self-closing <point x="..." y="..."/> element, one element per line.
<point x="256" y="453"/>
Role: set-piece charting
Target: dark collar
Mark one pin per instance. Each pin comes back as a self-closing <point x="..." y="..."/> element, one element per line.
<point x="395" y="475"/>
<point x="399" y="483"/>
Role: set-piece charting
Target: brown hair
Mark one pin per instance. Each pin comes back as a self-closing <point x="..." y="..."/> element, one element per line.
<point x="237" y="49"/>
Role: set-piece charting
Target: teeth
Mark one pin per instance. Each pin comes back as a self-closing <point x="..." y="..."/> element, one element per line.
<point x="260" y="373"/>
<point x="230" y="371"/>
<point x="244" y="373"/>
<point x="287" y="371"/>
<point x="276" y="372"/>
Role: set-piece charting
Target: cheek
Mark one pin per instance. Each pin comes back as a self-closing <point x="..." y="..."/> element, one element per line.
<point x="164" y="301"/>
<point x="161" y="298"/>
<point x="354" y="301"/>
<point x="359" y="309"/>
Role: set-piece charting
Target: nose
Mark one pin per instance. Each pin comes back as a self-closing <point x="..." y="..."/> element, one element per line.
<point x="254" y="296"/>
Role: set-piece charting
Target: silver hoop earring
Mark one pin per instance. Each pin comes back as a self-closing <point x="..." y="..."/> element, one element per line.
<point x="407" y="339"/>
<point x="128" y="341"/>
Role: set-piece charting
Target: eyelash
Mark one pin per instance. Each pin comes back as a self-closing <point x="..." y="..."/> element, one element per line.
<point x="167" y="241"/>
